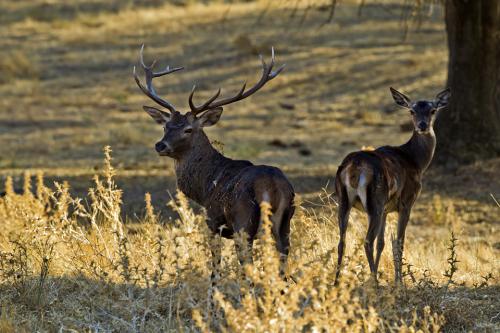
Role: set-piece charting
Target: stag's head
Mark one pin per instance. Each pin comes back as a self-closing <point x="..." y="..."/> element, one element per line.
<point x="181" y="130"/>
<point x="423" y="112"/>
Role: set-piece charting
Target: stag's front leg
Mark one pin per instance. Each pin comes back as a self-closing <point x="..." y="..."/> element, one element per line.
<point x="216" y="249"/>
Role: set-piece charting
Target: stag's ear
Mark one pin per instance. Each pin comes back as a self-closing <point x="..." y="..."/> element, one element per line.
<point x="442" y="98"/>
<point x="400" y="98"/>
<point x="211" y="117"/>
<point x="159" y="116"/>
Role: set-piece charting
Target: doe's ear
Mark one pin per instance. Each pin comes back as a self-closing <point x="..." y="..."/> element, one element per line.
<point x="161" y="117"/>
<point x="443" y="98"/>
<point x="400" y="98"/>
<point x="211" y="117"/>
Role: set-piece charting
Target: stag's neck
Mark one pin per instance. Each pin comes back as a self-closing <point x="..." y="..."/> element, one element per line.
<point x="420" y="149"/>
<point x="199" y="167"/>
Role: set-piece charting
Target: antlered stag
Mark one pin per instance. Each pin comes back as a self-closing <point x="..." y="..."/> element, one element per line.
<point x="230" y="190"/>
<point x="388" y="179"/>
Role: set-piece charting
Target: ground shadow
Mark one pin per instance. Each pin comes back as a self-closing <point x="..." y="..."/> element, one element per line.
<point x="80" y="302"/>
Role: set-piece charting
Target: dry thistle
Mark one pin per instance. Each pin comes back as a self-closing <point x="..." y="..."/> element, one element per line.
<point x="27" y="184"/>
<point x="452" y="260"/>
<point x="9" y="186"/>
<point x="150" y="214"/>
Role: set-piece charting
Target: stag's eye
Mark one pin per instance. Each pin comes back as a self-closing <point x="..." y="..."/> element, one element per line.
<point x="433" y="111"/>
<point x="188" y="130"/>
<point x="412" y="112"/>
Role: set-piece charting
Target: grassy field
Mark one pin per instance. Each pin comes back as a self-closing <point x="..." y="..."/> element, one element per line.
<point x="66" y="91"/>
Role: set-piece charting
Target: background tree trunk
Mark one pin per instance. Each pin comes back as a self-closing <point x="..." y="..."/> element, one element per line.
<point x="470" y="128"/>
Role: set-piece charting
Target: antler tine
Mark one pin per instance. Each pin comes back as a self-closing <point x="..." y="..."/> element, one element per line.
<point x="190" y="100"/>
<point x="194" y="108"/>
<point x="150" y="74"/>
<point x="267" y="75"/>
<point x="168" y="70"/>
<point x="272" y="58"/>
<point x="278" y="71"/>
<point x="242" y="90"/>
<point x="141" y="57"/>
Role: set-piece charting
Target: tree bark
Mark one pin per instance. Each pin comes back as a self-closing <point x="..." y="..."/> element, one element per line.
<point x="470" y="128"/>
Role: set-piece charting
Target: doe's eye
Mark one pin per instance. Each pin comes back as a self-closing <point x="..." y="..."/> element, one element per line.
<point x="412" y="112"/>
<point x="188" y="130"/>
<point x="433" y="111"/>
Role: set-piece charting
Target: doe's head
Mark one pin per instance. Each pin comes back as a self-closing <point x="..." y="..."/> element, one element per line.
<point x="423" y="112"/>
<point x="182" y="130"/>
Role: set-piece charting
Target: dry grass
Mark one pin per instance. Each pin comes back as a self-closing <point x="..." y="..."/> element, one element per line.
<point x="69" y="264"/>
<point x="16" y="65"/>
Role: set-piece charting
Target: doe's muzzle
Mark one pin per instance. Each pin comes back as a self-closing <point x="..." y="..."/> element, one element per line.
<point x="422" y="126"/>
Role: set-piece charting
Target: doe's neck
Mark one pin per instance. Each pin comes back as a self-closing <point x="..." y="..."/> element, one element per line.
<point x="420" y="148"/>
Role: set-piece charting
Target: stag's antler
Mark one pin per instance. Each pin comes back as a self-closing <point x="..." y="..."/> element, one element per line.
<point x="267" y="75"/>
<point x="150" y="75"/>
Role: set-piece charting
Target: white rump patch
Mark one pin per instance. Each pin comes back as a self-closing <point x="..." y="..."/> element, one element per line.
<point x="361" y="190"/>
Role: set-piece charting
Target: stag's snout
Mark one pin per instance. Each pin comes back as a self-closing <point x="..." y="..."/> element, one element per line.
<point x="162" y="148"/>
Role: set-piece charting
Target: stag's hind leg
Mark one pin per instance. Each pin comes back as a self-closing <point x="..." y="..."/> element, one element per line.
<point x="282" y="237"/>
<point x="244" y="218"/>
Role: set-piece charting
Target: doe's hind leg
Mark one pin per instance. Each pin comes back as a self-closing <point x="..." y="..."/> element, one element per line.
<point x="375" y="210"/>
<point x="345" y="206"/>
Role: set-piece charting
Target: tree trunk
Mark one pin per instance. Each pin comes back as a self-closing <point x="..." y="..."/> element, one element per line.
<point x="470" y="128"/>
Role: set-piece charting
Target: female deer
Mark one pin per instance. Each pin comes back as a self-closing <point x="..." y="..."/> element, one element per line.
<point x="388" y="179"/>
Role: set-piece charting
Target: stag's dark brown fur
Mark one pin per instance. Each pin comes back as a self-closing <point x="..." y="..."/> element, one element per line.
<point x="230" y="190"/>
<point x="387" y="179"/>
